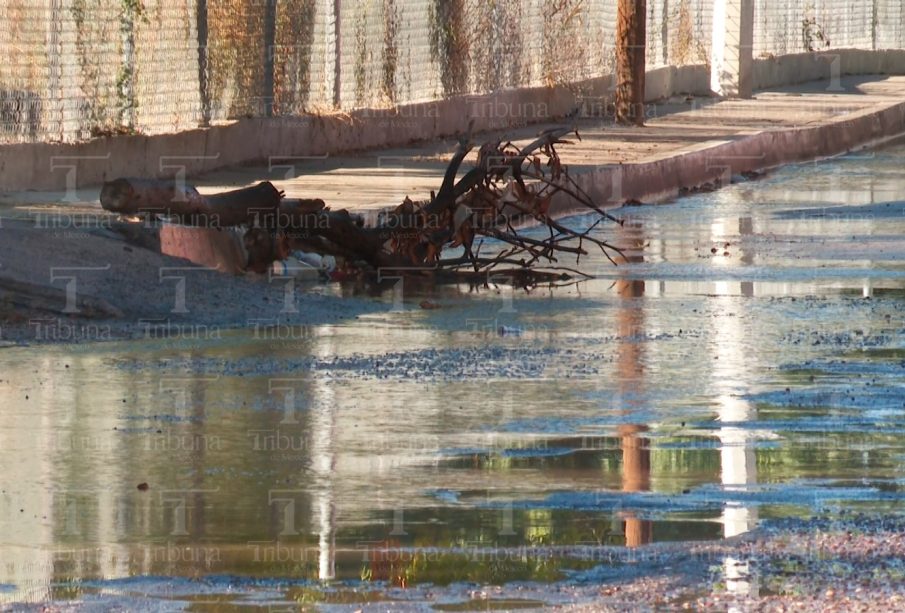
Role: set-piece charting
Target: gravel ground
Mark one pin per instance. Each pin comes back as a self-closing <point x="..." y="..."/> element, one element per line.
<point x="841" y="563"/>
<point x="844" y="563"/>
<point x="145" y="287"/>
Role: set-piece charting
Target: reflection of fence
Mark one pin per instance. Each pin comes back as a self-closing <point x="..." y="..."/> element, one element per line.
<point x="78" y="68"/>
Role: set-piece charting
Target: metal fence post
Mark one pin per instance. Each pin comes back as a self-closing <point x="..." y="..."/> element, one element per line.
<point x="125" y="80"/>
<point x="875" y="24"/>
<point x="55" y="79"/>
<point x="201" y="29"/>
<point x="337" y="53"/>
<point x="270" y="32"/>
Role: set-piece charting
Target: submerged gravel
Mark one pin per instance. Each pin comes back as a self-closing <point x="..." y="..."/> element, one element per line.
<point x="845" y="562"/>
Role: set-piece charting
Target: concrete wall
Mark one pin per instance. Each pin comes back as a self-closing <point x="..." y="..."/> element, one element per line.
<point x="828" y="65"/>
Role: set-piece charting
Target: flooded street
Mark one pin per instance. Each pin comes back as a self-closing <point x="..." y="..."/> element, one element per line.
<point x="745" y="363"/>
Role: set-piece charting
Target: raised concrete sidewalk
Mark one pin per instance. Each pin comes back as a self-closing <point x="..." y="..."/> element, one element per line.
<point x="686" y="143"/>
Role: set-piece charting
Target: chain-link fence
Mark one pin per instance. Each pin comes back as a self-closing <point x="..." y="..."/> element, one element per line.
<point x="75" y="69"/>
<point x="817" y="25"/>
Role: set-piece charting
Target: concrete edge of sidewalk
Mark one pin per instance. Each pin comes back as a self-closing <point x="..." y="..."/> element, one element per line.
<point x="662" y="179"/>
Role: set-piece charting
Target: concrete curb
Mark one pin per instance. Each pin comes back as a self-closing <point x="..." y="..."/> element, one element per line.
<point x="662" y="179"/>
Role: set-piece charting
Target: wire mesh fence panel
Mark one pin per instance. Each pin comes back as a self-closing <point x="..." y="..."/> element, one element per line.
<point x="602" y="23"/>
<point x="75" y="69"/>
<point x="83" y="68"/>
<point x="95" y="67"/>
<point x="300" y="80"/>
<point x="657" y="52"/>
<point x="890" y="24"/>
<point x="480" y="46"/>
<point x="236" y="58"/>
<point x="837" y="24"/>
<point x="385" y="54"/>
<point x="689" y="31"/>
<point x="159" y="80"/>
<point x="816" y="25"/>
<point x="394" y="52"/>
<point x="414" y="76"/>
<point x="568" y="42"/>
<point x="321" y="94"/>
<point x="361" y="52"/>
<point x="25" y="69"/>
<point x="493" y="31"/>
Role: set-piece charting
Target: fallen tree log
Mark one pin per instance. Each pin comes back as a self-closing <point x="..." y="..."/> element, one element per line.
<point x="183" y="203"/>
<point x="261" y="207"/>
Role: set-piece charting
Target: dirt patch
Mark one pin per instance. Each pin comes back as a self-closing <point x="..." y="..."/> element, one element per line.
<point x="151" y="291"/>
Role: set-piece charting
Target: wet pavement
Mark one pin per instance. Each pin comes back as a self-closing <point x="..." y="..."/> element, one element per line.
<point x="745" y="364"/>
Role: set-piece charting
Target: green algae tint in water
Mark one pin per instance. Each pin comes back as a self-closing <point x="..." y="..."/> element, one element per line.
<point x="745" y="362"/>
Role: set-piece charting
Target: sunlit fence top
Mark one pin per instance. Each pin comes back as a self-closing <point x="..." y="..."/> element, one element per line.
<point x="74" y="69"/>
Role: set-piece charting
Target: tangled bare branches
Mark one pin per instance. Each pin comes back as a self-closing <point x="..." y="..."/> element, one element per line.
<point x="508" y="189"/>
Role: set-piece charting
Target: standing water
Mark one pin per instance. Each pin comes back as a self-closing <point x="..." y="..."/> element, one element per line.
<point x="744" y="361"/>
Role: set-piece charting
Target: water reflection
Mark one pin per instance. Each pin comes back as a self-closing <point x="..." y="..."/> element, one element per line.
<point x="635" y="478"/>
<point x="630" y="364"/>
<point x="738" y="463"/>
<point x="291" y="471"/>
<point x="746" y="229"/>
<point x="324" y="464"/>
